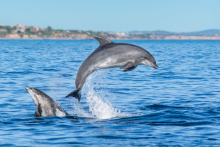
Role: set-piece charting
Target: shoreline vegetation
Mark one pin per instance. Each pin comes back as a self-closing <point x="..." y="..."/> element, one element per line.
<point x="32" y="32"/>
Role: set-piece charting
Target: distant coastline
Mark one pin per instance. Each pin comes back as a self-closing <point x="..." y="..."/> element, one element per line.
<point x="36" y="33"/>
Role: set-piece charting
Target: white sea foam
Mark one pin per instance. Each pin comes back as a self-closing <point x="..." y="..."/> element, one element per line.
<point x="96" y="98"/>
<point x="99" y="106"/>
<point x="78" y="110"/>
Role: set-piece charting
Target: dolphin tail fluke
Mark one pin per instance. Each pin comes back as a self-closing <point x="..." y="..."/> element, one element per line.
<point x="76" y="93"/>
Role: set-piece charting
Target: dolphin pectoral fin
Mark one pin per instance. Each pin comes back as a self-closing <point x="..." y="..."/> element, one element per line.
<point x="76" y="93"/>
<point x="129" y="64"/>
<point x="38" y="111"/>
<point x="130" y="69"/>
<point x="36" y="114"/>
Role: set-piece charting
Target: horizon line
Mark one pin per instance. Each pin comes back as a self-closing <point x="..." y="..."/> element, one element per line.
<point x="117" y="31"/>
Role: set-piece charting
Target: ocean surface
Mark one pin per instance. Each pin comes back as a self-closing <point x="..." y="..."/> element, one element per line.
<point x="175" y="105"/>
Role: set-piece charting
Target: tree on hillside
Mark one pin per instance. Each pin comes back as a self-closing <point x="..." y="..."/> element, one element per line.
<point x="28" y="30"/>
<point x="9" y="29"/>
<point x="49" y="29"/>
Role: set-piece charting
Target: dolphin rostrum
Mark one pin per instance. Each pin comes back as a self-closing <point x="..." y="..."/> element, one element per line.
<point x="46" y="107"/>
<point x="111" y="55"/>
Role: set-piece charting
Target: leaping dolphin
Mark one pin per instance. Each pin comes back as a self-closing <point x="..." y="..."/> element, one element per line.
<point x="111" y="55"/>
<point x="46" y="107"/>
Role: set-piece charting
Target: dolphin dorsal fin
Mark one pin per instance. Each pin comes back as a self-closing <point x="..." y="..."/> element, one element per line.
<point x="102" y="41"/>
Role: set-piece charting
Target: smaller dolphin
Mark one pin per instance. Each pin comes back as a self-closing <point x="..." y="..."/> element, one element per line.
<point x="46" y="107"/>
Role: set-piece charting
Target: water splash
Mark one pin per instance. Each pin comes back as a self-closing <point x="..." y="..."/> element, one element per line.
<point x="97" y="99"/>
<point x="79" y="111"/>
<point x="99" y="105"/>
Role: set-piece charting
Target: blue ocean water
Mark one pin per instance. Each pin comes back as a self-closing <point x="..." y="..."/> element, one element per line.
<point x="175" y="105"/>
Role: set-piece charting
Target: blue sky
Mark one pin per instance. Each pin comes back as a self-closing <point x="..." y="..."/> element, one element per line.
<point x="113" y="15"/>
